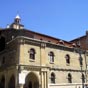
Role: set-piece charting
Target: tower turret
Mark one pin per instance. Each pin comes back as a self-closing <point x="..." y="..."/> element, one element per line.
<point x="17" y="19"/>
<point x="16" y="24"/>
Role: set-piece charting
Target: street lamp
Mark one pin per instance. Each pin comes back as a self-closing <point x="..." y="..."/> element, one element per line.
<point x="81" y="64"/>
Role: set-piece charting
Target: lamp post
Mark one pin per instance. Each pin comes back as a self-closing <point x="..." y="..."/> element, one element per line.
<point x="81" y="64"/>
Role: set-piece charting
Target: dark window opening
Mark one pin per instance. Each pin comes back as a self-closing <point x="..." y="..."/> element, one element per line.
<point x="67" y="59"/>
<point x="32" y="54"/>
<point x="51" y="54"/>
<point x="52" y="78"/>
<point x="2" y="43"/>
<point x="83" y="78"/>
<point x="69" y="78"/>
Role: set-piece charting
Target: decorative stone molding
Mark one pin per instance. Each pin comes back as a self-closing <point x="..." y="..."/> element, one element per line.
<point x="71" y="70"/>
<point x="21" y="41"/>
<point x="43" y="45"/>
<point x="32" y="68"/>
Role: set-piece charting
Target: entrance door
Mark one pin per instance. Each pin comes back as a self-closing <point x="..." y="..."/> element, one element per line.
<point x="30" y="85"/>
<point x="31" y="81"/>
<point x="2" y="83"/>
<point x="11" y="82"/>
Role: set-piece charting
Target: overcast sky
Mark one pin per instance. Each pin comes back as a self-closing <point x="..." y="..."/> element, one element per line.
<point x="64" y="19"/>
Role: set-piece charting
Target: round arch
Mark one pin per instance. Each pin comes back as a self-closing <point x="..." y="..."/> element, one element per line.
<point x="31" y="81"/>
<point x="11" y="83"/>
<point x="2" y="82"/>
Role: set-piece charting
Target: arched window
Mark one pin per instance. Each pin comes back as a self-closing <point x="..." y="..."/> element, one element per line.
<point x="67" y="59"/>
<point x="52" y="77"/>
<point x="69" y="78"/>
<point x="11" y="83"/>
<point x="83" y="78"/>
<point x="51" y="55"/>
<point x="32" y="54"/>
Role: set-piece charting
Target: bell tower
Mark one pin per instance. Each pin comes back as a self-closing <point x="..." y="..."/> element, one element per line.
<point x="16" y="24"/>
<point x="17" y="19"/>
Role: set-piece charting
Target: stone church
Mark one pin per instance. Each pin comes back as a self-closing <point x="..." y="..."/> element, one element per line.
<point x="33" y="60"/>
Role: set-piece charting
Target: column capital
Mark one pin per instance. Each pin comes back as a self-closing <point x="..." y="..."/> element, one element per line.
<point x="43" y="45"/>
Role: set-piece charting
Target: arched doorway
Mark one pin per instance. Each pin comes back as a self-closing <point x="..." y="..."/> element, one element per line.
<point x="2" y="82"/>
<point x="11" y="82"/>
<point x="30" y="85"/>
<point x="31" y="81"/>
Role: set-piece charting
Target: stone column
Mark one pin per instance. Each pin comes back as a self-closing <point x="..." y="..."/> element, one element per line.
<point x="42" y="79"/>
<point x="42" y="64"/>
<point x="21" y="51"/>
<point x="21" y="77"/>
<point x="6" y="79"/>
<point x="45" y="80"/>
<point x="42" y="54"/>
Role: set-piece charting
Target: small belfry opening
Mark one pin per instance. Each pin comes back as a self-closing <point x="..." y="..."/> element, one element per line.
<point x="17" y="19"/>
<point x="31" y="81"/>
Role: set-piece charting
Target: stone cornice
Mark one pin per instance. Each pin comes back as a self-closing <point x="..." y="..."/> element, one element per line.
<point x="7" y="67"/>
<point x="31" y="67"/>
<point x="43" y="44"/>
<point x="63" y="69"/>
<point x="38" y="68"/>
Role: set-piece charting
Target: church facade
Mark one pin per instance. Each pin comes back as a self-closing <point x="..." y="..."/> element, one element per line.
<point x="32" y="60"/>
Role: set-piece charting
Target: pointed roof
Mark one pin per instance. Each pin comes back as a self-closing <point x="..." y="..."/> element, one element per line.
<point x="17" y="19"/>
<point x="17" y="16"/>
<point x="16" y="24"/>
